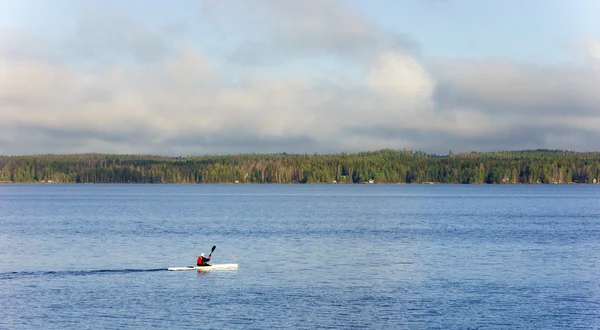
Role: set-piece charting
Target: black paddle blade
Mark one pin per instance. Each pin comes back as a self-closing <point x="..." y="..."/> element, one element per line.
<point x="213" y="249"/>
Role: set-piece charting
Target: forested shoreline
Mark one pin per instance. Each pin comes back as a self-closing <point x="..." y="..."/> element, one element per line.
<point x="383" y="166"/>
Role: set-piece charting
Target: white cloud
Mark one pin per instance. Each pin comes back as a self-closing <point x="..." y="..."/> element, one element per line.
<point x="401" y="80"/>
<point x="591" y="49"/>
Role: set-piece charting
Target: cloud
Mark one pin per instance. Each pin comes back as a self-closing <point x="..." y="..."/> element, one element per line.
<point x="289" y="29"/>
<point x="153" y="91"/>
<point x="182" y="100"/>
<point x="102" y="33"/>
<point x="404" y="85"/>
<point x="590" y="49"/>
<point x="18" y="44"/>
<point x="503" y="87"/>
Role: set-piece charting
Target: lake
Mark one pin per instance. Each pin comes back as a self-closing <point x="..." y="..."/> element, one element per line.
<point x="310" y="256"/>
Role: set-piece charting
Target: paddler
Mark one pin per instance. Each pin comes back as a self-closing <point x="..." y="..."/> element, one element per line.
<point x="202" y="260"/>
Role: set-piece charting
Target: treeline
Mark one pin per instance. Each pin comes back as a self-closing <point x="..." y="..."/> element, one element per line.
<point x="384" y="166"/>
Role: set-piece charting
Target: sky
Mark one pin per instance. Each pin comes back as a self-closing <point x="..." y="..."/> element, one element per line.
<point x="193" y="77"/>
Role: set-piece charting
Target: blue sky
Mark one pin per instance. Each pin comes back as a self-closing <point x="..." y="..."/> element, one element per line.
<point x="534" y="31"/>
<point x="235" y="76"/>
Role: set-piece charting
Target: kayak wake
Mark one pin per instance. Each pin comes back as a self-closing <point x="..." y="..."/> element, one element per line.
<point x="66" y="273"/>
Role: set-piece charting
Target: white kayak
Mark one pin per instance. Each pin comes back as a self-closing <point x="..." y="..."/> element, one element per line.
<point x="207" y="268"/>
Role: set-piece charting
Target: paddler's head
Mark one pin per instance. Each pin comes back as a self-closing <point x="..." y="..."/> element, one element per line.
<point x="202" y="254"/>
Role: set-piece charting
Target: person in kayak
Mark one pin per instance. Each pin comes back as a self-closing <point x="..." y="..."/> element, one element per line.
<point x="202" y="260"/>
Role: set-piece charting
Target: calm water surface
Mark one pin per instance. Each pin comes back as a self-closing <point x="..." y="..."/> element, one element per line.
<point x="310" y="256"/>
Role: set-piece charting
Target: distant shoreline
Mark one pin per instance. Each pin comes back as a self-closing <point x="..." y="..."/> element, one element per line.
<point x="375" y="167"/>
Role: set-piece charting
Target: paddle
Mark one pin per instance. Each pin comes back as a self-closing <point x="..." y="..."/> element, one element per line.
<point x="211" y="251"/>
